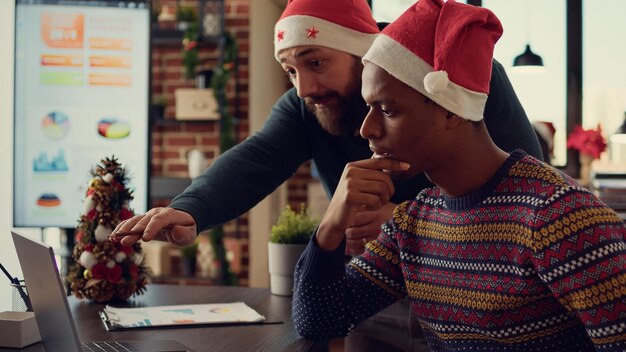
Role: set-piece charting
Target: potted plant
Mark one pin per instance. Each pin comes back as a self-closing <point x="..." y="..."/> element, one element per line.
<point x="288" y="239"/>
<point x="186" y="16"/>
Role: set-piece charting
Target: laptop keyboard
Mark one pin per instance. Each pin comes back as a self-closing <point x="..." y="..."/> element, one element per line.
<point x="102" y="346"/>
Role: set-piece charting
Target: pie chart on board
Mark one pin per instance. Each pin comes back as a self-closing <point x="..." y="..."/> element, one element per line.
<point x="55" y="125"/>
<point x="113" y="128"/>
<point x="48" y="200"/>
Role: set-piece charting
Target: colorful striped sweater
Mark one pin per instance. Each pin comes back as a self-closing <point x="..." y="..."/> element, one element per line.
<point x="530" y="262"/>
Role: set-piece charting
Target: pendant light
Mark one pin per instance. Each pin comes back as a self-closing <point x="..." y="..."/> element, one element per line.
<point x="528" y="58"/>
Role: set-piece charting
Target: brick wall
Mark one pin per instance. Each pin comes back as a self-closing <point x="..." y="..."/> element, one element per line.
<point x="172" y="140"/>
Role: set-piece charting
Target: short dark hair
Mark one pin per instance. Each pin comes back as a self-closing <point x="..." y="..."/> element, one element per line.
<point x="449" y="113"/>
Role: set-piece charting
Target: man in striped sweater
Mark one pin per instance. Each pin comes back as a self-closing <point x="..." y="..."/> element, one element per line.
<point x="504" y="254"/>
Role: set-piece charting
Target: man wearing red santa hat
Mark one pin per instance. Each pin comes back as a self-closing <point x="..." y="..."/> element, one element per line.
<point x="319" y="44"/>
<point x="505" y="253"/>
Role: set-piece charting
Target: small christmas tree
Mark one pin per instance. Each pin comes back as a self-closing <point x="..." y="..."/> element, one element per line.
<point x="106" y="271"/>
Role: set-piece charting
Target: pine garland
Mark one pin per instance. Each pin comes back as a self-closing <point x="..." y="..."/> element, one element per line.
<point x="221" y="76"/>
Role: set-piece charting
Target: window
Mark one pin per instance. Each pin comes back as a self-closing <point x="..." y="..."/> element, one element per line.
<point x="604" y="73"/>
<point x="541" y="24"/>
<point x="389" y="10"/>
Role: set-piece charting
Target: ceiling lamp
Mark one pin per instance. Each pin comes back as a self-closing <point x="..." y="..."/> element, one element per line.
<point x="527" y="58"/>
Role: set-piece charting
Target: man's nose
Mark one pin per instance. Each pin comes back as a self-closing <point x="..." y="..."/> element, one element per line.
<point x="370" y="128"/>
<point x="306" y="85"/>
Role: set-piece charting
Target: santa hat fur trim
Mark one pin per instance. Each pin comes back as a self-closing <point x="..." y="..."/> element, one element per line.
<point x="411" y="70"/>
<point x="295" y="31"/>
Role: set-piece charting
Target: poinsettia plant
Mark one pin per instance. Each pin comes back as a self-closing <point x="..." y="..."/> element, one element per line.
<point x="590" y="142"/>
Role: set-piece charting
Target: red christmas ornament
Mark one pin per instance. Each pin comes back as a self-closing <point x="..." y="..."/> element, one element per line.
<point x="98" y="271"/>
<point x="114" y="275"/>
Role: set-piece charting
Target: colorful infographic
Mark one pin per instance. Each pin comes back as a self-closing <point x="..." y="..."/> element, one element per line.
<point x="81" y="94"/>
<point x="48" y="200"/>
<point x="112" y="128"/>
<point x="45" y="163"/>
<point x="55" y="125"/>
<point x="62" y="30"/>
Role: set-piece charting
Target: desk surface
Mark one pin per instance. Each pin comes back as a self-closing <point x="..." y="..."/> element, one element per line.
<point x="240" y="338"/>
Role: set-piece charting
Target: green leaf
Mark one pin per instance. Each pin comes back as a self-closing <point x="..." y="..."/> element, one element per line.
<point x="294" y="228"/>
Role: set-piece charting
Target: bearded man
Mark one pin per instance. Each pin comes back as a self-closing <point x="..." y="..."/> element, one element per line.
<point x="319" y="44"/>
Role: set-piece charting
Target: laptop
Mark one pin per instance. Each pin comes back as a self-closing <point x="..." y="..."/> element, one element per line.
<point x="52" y="311"/>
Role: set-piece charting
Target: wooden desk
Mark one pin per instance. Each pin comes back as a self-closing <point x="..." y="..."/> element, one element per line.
<point x="240" y="338"/>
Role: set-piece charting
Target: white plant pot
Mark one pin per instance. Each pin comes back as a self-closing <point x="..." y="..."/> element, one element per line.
<point x="282" y="262"/>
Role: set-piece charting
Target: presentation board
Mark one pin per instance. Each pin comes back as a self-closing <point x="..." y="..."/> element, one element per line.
<point x="81" y="94"/>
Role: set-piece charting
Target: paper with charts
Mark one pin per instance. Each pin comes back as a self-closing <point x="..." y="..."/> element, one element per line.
<point x="217" y="313"/>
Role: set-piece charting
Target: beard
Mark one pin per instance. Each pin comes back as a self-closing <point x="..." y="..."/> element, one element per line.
<point x="347" y="114"/>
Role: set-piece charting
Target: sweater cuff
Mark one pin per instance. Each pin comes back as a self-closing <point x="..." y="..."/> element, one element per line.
<point x="322" y="267"/>
<point x="190" y="209"/>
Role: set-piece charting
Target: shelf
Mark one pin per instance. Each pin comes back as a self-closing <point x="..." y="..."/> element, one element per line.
<point x="175" y="37"/>
<point x="175" y="122"/>
<point x="162" y="187"/>
<point x="208" y="15"/>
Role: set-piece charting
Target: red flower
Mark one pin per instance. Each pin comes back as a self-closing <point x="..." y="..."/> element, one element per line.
<point x="98" y="271"/>
<point x="92" y="214"/>
<point x="588" y="142"/>
<point x="126" y="214"/>
<point x="79" y="236"/>
<point x="114" y="275"/>
<point x="89" y="247"/>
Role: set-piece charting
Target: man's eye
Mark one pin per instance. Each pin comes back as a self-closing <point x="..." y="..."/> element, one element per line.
<point x="316" y="63"/>
<point x="387" y="113"/>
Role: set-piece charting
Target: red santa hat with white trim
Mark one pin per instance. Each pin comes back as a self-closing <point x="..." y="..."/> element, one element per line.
<point x="345" y="25"/>
<point x="444" y="51"/>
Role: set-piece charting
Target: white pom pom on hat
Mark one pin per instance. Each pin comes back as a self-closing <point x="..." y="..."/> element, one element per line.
<point x="436" y="82"/>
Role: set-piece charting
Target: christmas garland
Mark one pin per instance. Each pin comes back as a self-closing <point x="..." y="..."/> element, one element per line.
<point x="221" y="76"/>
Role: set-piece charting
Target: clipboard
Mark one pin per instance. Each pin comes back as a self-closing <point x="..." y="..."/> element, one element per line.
<point x="214" y="314"/>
